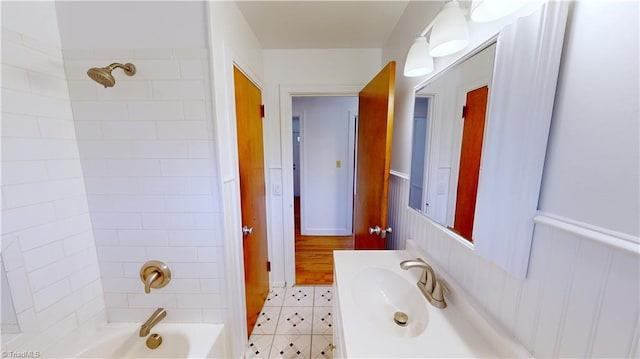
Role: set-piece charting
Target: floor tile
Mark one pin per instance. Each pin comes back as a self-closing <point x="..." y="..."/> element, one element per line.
<point x="291" y="346"/>
<point x="322" y="346"/>
<point x="259" y="346"/>
<point x="295" y="320"/>
<point x="301" y="318"/>
<point x="322" y="321"/>
<point x="275" y="297"/>
<point x="323" y="296"/>
<point x="299" y="296"/>
<point x="267" y="320"/>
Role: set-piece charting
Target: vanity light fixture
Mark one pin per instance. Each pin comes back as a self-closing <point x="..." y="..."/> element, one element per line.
<point x="419" y="62"/>
<point x="450" y="32"/>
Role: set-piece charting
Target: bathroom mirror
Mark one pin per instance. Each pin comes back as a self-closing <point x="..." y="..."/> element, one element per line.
<point x="520" y="94"/>
<point x="448" y="127"/>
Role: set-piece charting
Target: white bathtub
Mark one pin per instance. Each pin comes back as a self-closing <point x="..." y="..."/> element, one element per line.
<point x="121" y="340"/>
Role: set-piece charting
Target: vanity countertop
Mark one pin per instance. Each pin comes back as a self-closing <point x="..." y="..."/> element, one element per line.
<point x="364" y="330"/>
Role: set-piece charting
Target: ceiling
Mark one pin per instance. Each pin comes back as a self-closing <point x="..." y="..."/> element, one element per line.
<point x="322" y="24"/>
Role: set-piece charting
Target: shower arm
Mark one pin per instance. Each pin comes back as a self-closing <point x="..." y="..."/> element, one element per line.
<point x="129" y="69"/>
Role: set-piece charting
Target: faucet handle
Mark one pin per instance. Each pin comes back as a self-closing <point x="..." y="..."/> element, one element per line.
<point x="437" y="292"/>
<point x="154" y="274"/>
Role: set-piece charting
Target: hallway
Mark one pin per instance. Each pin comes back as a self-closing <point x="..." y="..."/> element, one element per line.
<point x="314" y="254"/>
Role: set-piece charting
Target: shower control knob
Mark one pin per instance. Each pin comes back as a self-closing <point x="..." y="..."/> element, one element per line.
<point x="246" y="231"/>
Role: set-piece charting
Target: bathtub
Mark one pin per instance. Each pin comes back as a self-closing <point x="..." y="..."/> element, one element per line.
<point x="121" y="340"/>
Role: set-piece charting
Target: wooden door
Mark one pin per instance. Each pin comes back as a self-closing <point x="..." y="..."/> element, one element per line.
<point x="252" y="192"/>
<point x="375" y="129"/>
<point x="472" y="134"/>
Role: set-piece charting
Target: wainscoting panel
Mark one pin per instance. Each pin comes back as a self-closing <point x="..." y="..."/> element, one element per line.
<point x="580" y="297"/>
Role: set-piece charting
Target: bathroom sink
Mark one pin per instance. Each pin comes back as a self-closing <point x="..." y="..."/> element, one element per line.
<point x="380" y="293"/>
<point x="370" y="287"/>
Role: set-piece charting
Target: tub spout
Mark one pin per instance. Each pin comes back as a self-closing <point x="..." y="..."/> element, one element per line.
<point x="154" y="319"/>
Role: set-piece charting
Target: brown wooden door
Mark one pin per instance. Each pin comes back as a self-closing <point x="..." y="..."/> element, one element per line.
<point x="470" y="152"/>
<point x="375" y="129"/>
<point x="252" y="192"/>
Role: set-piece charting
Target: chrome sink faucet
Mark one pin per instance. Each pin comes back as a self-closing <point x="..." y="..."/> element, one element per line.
<point x="428" y="284"/>
<point x="154" y="319"/>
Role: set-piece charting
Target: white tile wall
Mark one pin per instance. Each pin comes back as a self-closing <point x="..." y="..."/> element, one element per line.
<point x="150" y="176"/>
<point x="580" y="298"/>
<point x="48" y="249"/>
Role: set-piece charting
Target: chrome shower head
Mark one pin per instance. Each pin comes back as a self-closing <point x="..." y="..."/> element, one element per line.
<point x="102" y="75"/>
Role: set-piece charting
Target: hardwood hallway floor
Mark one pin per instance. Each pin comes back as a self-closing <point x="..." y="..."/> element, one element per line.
<point x="314" y="254"/>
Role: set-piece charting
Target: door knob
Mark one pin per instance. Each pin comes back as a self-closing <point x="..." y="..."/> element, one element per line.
<point x="379" y="231"/>
<point x="247" y="231"/>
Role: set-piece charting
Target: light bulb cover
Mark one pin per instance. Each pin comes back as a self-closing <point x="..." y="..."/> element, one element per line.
<point x="419" y="62"/>
<point x="450" y="32"/>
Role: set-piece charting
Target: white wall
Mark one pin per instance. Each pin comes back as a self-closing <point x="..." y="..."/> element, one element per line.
<point x="231" y="42"/>
<point x="328" y="135"/>
<point x="313" y="71"/>
<point x="593" y="156"/>
<point x="580" y="297"/>
<point x="47" y="242"/>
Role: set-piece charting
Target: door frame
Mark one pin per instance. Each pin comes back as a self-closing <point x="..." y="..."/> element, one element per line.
<point x="286" y="147"/>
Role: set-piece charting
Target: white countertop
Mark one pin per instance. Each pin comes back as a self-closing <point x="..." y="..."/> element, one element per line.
<point x="451" y="332"/>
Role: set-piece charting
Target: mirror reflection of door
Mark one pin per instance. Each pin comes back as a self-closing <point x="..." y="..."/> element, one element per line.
<point x="474" y="114"/>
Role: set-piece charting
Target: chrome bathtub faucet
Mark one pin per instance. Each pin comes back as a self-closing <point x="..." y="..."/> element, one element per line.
<point x="428" y="284"/>
<point x="154" y="319"/>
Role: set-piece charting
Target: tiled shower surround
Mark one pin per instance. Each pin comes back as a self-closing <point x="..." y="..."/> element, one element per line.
<point x="47" y="242"/>
<point x="150" y="172"/>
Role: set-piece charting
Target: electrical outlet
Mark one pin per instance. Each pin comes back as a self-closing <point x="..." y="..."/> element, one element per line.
<point x="338" y="164"/>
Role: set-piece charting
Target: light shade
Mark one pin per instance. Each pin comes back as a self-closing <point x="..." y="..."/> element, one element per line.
<point x="419" y="62"/>
<point x="490" y="10"/>
<point x="450" y="32"/>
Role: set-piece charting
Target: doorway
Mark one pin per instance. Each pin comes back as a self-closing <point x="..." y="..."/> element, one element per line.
<point x="372" y="157"/>
<point x="323" y="139"/>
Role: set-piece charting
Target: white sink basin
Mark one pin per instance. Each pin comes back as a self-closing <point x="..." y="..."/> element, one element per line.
<point x="380" y="294"/>
<point x="370" y="287"/>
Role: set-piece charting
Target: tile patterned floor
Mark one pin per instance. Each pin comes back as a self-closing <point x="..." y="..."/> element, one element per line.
<point x="295" y="322"/>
